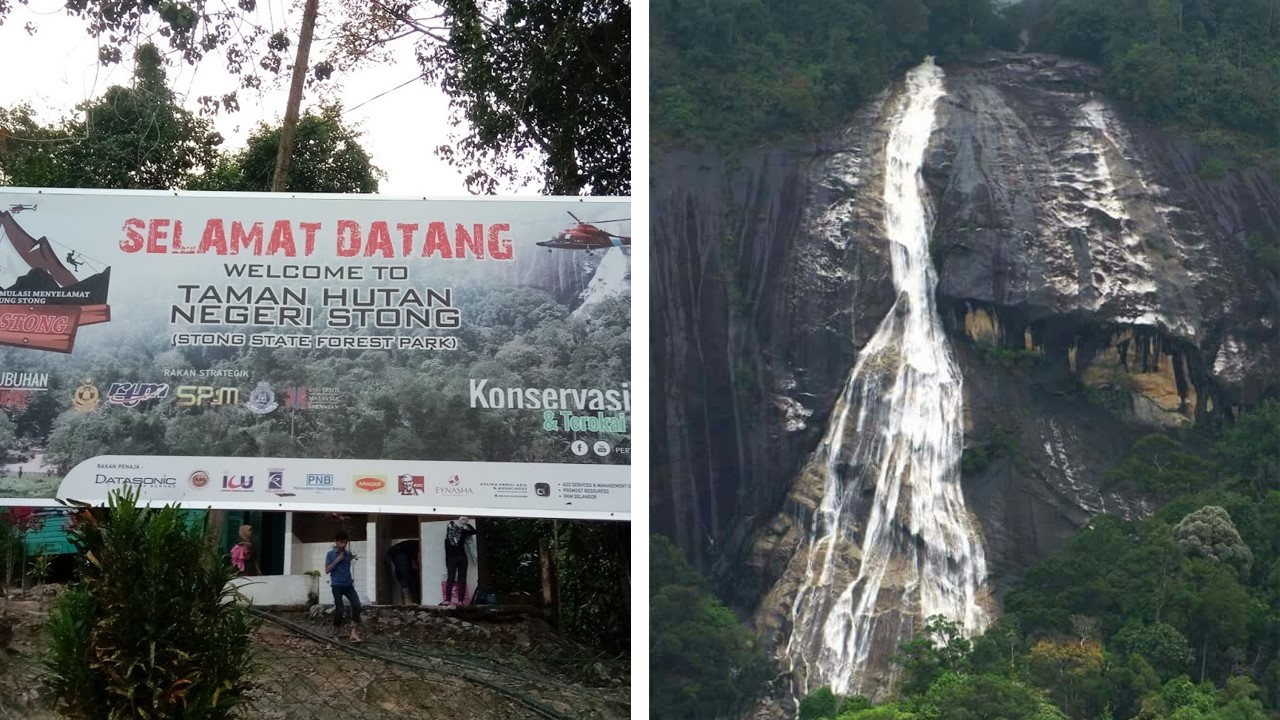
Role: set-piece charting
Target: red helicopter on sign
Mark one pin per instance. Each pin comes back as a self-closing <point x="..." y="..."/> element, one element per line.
<point x="585" y="236"/>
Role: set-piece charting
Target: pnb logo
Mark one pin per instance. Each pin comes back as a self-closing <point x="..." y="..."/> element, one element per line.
<point x="239" y="483"/>
<point x="275" y="479"/>
<point x="189" y="395"/>
<point x="133" y="394"/>
<point x="319" y="481"/>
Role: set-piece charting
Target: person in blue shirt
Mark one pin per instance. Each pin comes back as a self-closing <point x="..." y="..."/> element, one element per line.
<point x="338" y="565"/>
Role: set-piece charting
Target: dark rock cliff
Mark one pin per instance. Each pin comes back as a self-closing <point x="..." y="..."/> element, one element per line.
<point x="758" y="299"/>
<point x="1094" y="285"/>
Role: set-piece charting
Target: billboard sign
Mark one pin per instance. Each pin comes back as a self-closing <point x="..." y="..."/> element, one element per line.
<point x="264" y="351"/>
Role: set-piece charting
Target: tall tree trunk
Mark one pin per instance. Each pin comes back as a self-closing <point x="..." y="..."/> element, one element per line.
<point x="556" y="587"/>
<point x="1204" y="657"/>
<point x="544" y="553"/>
<point x="284" y="153"/>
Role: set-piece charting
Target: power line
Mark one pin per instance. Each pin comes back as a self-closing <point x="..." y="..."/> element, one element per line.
<point x="381" y="94"/>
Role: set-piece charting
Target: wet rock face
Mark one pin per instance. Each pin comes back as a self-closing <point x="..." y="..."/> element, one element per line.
<point x="762" y="291"/>
<point x="1055" y="210"/>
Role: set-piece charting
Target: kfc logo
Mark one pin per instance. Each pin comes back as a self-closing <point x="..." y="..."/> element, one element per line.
<point x="412" y="484"/>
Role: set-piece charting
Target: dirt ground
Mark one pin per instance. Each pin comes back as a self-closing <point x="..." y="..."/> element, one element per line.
<point x="414" y="663"/>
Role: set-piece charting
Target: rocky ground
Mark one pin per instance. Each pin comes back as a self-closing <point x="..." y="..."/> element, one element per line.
<point x="413" y="663"/>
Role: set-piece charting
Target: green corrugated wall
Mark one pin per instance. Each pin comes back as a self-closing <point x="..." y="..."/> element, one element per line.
<point x="51" y="537"/>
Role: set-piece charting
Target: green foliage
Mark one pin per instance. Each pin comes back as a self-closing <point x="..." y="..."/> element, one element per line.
<point x="977" y="458"/>
<point x="1209" y="533"/>
<point x="25" y="143"/>
<point x="151" y="628"/>
<point x="1008" y="358"/>
<point x="1208" y="68"/>
<point x="939" y="682"/>
<point x="12" y="551"/>
<point x="1186" y="592"/>
<point x="958" y="696"/>
<point x="595" y="586"/>
<point x="884" y="712"/>
<point x="1160" y="466"/>
<point x="327" y="158"/>
<point x="734" y="73"/>
<point x="131" y="137"/>
<point x="1249" y="451"/>
<point x="1160" y="645"/>
<point x="512" y="552"/>
<point x="939" y="649"/>
<point x="702" y="661"/>
<point x="547" y="76"/>
<point x="592" y="562"/>
<point x="819" y="705"/>
<point x="1265" y="253"/>
<point x="823" y="704"/>
<point x="8" y="437"/>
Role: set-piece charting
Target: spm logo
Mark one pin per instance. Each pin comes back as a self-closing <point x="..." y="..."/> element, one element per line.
<point x="133" y="394"/>
<point x="189" y="395"/>
<point x="371" y="483"/>
<point x="237" y="483"/>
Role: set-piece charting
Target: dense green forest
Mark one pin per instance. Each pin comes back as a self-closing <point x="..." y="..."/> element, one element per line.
<point x="1210" y="68"/>
<point x="1176" y="617"/>
<point x="741" y="72"/>
<point x="749" y="71"/>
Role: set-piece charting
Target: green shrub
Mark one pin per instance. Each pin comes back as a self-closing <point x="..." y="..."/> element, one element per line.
<point x="703" y="662"/>
<point x="820" y="704"/>
<point x="1007" y="358"/>
<point x="150" y="629"/>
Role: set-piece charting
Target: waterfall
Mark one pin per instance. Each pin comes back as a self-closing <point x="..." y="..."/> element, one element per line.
<point x="892" y="542"/>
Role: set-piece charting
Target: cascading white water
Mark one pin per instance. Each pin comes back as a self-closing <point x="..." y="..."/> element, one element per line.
<point x="894" y="444"/>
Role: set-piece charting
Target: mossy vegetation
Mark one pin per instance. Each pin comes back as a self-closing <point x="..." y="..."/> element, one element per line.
<point x="1009" y="358"/>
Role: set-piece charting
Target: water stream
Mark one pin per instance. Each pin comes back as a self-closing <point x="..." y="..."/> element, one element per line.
<point x="892" y="458"/>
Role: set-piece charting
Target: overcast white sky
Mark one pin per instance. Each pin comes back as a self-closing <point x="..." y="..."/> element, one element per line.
<point x="57" y="68"/>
